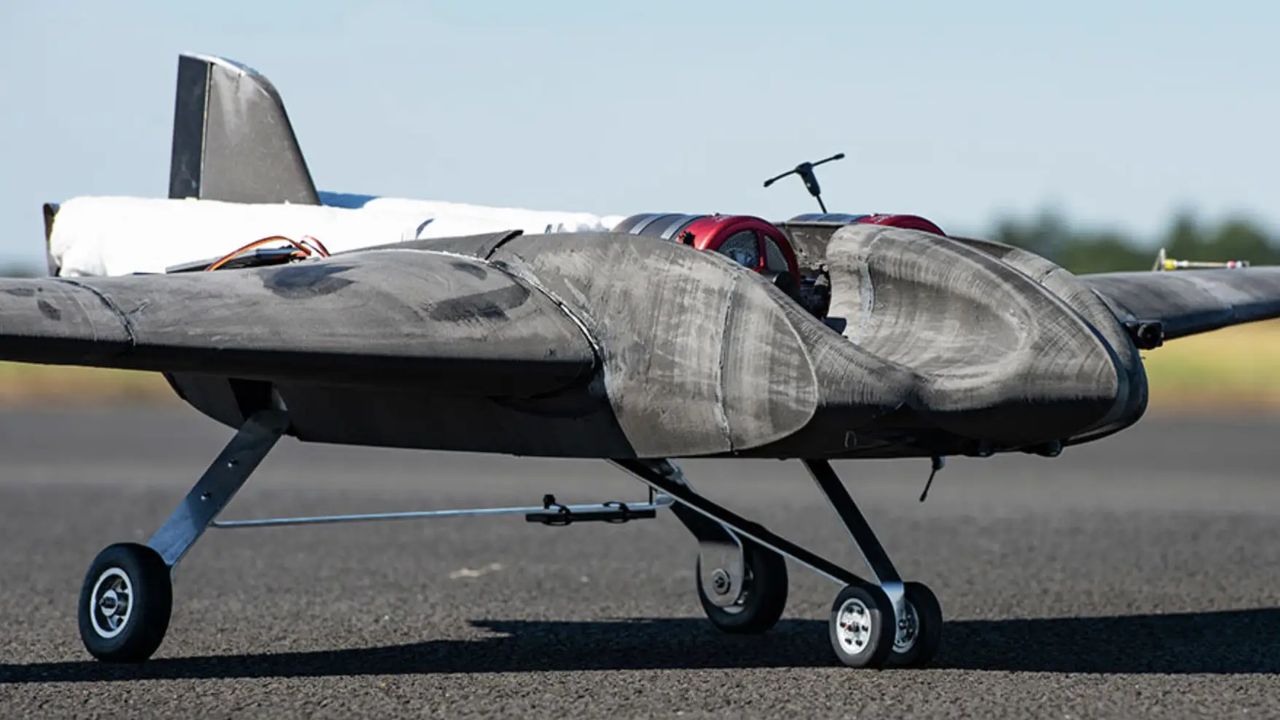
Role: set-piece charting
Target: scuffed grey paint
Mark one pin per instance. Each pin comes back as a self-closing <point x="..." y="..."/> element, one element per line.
<point x="612" y="345"/>
<point x="992" y="353"/>
<point x="384" y="317"/>
<point x="1131" y="400"/>
<point x="698" y="355"/>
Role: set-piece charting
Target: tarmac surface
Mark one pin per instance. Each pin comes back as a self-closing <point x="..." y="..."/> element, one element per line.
<point x="1138" y="576"/>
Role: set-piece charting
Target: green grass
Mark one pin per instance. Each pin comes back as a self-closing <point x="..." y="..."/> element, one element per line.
<point x="22" y="384"/>
<point x="1225" y="369"/>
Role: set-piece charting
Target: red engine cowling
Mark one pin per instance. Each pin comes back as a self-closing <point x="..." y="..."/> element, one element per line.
<point x="911" y="222"/>
<point x="751" y="241"/>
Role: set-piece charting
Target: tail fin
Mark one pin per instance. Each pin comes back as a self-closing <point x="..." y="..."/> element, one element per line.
<point x="232" y="140"/>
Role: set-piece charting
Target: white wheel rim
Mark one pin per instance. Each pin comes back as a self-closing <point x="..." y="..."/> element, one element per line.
<point x="908" y="630"/>
<point x="111" y="603"/>
<point x="853" y="626"/>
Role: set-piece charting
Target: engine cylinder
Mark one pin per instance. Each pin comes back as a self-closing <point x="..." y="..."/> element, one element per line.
<point x="660" y="225"/>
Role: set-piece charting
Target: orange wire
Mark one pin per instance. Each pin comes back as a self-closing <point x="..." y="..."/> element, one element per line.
<point x="313" y="239"/>
<point x="306" y="252"/>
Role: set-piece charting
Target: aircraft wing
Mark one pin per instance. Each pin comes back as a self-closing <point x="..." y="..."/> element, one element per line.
<point x="457" y="322"/>
<point x="1191" y="301"/>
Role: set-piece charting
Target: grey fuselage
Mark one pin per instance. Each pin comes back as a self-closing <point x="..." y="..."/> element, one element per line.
<point x="948" y="347"/>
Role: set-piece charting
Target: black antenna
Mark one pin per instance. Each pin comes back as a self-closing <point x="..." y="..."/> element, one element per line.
<point x="805" y="171"/>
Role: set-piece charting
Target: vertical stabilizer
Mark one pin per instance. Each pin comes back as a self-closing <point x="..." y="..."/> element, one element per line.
<point x="232" y="140"/>
<point x="50" y="211"/>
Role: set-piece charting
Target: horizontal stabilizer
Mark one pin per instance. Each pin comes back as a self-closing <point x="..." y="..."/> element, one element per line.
<point x="1191" y="301"/>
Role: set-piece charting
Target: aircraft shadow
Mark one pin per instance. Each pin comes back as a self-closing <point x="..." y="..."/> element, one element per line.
<point x="1227" y="642"/>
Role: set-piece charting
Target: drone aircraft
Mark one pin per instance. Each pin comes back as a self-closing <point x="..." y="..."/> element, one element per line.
<point x="633" y="340"/>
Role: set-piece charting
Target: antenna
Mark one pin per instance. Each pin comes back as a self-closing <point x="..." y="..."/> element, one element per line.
<point x="805" y="171"/>
<point x="1164" y="263"/>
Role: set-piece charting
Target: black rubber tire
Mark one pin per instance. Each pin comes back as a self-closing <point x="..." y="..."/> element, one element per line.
<point x="151" y="602"/>
<point x="928" y="627"/>
<point x="880" y="633"/>
<point x="765" y="594"/>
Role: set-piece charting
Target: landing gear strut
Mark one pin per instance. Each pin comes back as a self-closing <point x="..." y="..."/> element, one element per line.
<point x="127" y="594"/>
<point x="872" y="624"/>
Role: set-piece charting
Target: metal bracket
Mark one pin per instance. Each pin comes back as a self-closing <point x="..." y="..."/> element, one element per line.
<point x="218" y="484"/>
<point x="556" y="514"/>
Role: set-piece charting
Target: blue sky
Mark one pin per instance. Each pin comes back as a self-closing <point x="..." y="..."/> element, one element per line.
<point x="1116" y="114"/>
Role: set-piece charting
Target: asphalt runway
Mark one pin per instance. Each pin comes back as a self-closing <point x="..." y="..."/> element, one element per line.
<point x="1138" y="576"/>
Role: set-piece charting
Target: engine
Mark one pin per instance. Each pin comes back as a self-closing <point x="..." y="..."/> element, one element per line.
<point x="790" y="255"/>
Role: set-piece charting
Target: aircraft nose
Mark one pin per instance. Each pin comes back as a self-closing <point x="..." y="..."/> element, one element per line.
<point x="991" y="354"/>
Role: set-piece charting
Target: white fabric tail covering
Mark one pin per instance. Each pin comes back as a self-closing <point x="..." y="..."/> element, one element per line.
<point x="122" y="235"/>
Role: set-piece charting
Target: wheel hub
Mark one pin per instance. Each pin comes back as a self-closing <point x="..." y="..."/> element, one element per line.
<point x="908" y="629"/>
<point x="853" y="626"/>
<point x="112" y="603"/>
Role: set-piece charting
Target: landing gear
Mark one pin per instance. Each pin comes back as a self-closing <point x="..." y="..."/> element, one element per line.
<point x="863" y="632"/>
<point x="887" y="622"/>
<point x="920" y="630"/>
<point x="125" y="603"/>
<point x="127" y="594"/>
<point x="757" y="603"/>
<point x="741" y="570"/>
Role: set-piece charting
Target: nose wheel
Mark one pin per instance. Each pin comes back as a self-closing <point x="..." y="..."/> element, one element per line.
<point x="125" y="603"/>
<point x="866" y="632"/>
<point x="861" y="626"/>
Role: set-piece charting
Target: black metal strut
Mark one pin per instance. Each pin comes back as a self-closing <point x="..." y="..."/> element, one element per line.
<point x="740" y="525"/>
<point x="866" y="540"/>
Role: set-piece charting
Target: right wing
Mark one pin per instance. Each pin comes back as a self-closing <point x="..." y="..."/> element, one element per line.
<point x="412" y="318"/>
<point x="1191" y="301"/>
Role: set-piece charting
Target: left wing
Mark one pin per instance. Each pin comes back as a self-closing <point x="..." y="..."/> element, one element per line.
<point x="385" y="317"/>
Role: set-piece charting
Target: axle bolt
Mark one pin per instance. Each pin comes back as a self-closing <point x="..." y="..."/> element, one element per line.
<point x="720" y="582"/>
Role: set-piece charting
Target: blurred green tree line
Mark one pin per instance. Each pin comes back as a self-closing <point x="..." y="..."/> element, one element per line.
<point x="1083" y="250"/>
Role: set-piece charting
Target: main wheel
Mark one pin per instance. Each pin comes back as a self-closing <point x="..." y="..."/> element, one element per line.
<point x="861" y="627"/>
<point x="125" y="603"/>
<point x="920" y="633"/>
<point x="760" y="601"/>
